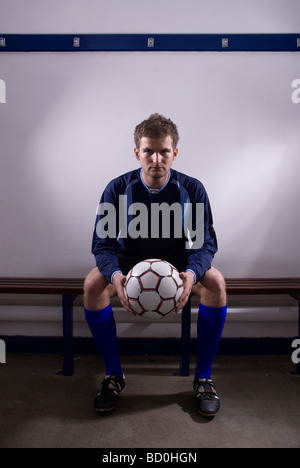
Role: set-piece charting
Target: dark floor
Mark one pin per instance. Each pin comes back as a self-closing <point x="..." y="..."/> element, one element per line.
<point x="260" y="404"/>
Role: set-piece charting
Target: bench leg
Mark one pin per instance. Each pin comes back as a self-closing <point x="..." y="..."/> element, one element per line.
<point x="184" y="369"/>
<point x="67" y="310"/>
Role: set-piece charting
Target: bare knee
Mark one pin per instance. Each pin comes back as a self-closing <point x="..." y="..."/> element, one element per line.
<point x="213" y="288"/>
<point x="96" y="290"/>
<point x="94" y="283"/>
<point x="217" y="283"/>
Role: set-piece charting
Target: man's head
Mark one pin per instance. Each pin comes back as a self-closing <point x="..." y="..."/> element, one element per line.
<point x="156" y="148"/>
<point x="156" y="127"/>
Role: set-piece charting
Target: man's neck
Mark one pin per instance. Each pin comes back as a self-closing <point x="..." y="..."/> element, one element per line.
<point x="154" y="184"/>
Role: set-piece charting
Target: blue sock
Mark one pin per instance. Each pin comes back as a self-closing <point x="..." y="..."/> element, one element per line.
<point x="103" y="328"/>
<point x="210" y="325"/>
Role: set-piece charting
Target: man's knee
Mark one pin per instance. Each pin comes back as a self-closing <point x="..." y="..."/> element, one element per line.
<point x="94" y="283"/>
<point x="214" y="281"/>
<point x="219" y="282"/>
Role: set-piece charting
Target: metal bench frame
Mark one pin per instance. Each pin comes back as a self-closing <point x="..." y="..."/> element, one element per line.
<point x="70" y="288"/>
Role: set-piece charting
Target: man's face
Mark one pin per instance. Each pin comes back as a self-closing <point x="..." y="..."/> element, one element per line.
<point x="156" y="157"/>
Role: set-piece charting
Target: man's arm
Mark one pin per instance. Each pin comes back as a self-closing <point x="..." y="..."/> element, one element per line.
<point x="200" y="258"/>
<point x="105" y="246"/>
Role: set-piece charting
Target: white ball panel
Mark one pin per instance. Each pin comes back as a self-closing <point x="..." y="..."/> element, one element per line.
<point x="135" y="306"/>
<point x="149" y="280"/>
<point x="167" y="306"/>
<point x="140" y="268"/>
<point x="133" y="287"/>
<point x="167" y="287"/>
<point x="162" y="268"/>
<point x="149" y="300"/>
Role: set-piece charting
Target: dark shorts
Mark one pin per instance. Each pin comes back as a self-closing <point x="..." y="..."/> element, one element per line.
<point x="126" y="262"/>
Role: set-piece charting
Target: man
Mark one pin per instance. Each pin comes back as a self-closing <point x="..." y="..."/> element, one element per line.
<point x="117" y="249"/>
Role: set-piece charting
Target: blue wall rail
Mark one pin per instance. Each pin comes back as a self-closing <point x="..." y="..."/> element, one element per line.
<point x="149" y="42"/>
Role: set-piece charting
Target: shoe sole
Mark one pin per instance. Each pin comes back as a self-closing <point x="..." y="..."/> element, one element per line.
<point x="108" y="410"/>
<point x="207" y="415"/>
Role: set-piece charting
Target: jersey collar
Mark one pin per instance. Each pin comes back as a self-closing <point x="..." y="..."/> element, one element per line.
<point x="149" y="190"/>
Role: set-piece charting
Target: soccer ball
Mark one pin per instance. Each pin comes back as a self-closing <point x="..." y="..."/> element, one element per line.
<point x="153" y="288"/>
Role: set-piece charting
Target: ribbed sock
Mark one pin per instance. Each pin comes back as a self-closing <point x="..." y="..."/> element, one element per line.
<point x="210" y="325"/>
<point x="103" y="328"/>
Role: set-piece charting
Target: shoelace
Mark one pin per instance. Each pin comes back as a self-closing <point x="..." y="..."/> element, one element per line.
<point x="208" y="392"/>
<point x="110" y="383"/>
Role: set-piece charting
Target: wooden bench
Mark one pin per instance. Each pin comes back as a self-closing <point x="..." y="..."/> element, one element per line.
<point x="70" y="288"/>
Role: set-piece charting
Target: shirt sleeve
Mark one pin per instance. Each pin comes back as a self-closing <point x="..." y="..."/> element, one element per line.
<point x="105" y="246"/>
<point x="203" y="248"/>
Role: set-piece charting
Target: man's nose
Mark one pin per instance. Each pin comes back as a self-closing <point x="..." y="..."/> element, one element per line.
<point x="157" y="157"/>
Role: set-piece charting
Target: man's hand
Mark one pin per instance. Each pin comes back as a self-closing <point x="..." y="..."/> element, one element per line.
<point x="188" y="279"/>
<point x="119" y="282"/>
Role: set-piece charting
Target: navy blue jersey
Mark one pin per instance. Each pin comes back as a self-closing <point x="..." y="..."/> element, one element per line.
<point x="173" y="222"/>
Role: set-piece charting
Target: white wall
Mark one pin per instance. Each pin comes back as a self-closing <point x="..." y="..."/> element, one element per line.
<point x="157" y="16"/>
<point x="66" y="129"/>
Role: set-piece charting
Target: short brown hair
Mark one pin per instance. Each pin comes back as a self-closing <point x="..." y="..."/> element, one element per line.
<point x="156" y="126"/>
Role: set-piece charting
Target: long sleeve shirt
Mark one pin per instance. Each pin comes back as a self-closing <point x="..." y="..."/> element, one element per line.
<point x="174" y="221"/>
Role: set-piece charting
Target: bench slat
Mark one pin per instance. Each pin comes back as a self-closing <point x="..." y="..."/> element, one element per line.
<point x="41" y="285"/>
<point x="263" y="285"/>
<point x="75" y="285"/>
